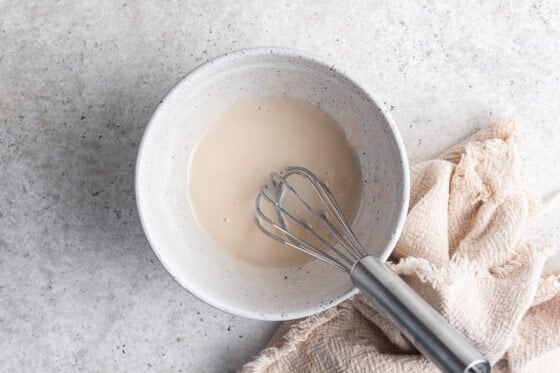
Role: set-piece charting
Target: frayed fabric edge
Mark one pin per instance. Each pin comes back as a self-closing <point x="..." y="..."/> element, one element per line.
<point x="506" y="130"/>
<point x="297" y="334"/>
<point x="439" y="277"/>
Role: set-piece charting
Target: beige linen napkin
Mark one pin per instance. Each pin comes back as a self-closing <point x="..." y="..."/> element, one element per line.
<point x="463" y="250"/>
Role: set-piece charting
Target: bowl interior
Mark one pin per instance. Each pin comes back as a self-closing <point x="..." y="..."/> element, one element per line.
<point x="211" y="273"/>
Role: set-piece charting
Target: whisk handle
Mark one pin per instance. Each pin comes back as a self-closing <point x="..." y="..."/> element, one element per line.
<point x="427" y="330"/>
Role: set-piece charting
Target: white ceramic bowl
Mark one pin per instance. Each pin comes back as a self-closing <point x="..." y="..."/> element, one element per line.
<point x="214" y="275"/>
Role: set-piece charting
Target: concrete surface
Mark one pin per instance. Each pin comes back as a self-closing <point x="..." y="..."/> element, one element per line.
<point x="80" y="289"/>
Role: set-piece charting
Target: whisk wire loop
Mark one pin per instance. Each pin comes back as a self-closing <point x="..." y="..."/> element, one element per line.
<point x="292" y="239"/>
<point x="341" y="248"/>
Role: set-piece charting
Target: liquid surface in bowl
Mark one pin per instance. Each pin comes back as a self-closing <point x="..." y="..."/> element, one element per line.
<point x="240" y="150"/>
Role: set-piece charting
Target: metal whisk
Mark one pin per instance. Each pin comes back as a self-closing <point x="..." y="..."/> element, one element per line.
<point x="316" y="225"/>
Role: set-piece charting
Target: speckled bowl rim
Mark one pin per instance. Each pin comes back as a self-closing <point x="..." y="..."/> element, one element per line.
<point x="287" y="52"/>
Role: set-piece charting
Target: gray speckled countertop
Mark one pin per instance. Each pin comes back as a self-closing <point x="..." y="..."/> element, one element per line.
<point x="80" y="289"/>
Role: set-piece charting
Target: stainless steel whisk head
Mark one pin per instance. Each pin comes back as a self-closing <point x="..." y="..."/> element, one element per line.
<point x="335" y="244"/>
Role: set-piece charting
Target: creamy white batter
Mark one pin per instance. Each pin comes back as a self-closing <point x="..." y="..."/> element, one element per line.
<point x="236" y="155"/>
